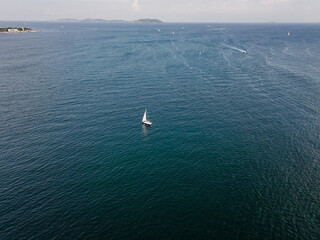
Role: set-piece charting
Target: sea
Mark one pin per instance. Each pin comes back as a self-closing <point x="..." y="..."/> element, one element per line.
<point x="233" y="151"/>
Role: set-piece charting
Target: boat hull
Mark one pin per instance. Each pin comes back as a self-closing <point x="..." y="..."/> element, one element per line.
<point x="147" y="123"/>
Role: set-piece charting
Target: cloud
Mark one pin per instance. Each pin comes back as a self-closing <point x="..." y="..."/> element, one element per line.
<point x="136" y="6"/>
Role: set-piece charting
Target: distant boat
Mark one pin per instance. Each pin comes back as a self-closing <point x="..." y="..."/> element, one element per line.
<point x="145" y="121"/>
<point x="289" y="33"/>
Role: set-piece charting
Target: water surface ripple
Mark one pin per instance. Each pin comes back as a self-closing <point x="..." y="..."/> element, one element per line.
<point x="233" y="153"/>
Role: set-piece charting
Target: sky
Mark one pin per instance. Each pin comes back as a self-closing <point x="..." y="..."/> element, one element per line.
<point x="166" y="10"/>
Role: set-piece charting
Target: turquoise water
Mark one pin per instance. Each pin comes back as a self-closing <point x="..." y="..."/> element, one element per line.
<point x="233" y="152"/>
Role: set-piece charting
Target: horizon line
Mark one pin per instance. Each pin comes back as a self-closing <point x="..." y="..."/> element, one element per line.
<point x="163" y="22"/>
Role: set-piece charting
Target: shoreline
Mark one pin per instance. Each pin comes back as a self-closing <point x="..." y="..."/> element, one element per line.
<point x="31" y="31"/>
<point x="17" y="30"/>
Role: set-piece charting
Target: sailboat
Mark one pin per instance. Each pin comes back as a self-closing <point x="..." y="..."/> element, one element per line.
<point x="145" y="121"/>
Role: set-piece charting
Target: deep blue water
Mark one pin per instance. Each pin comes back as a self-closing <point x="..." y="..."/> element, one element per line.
<point x="233" y="152"/>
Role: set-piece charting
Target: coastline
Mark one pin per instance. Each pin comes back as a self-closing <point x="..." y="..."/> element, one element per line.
<point x="31" y="31"/>
<point x="17" y="30"/>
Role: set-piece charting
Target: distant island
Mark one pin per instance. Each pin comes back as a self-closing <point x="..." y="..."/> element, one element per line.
<point x="148" y="20"/>
<point x="16" y="30"/>
<point x="91" y="20"/>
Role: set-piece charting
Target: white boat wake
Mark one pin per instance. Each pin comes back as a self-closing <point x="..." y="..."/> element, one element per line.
<point x="235" y="48"/>
<point x="217" y="29"/>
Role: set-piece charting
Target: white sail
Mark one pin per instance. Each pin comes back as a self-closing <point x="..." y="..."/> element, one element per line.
<point x="145" y="121"/>
<point x="144" y="116"/>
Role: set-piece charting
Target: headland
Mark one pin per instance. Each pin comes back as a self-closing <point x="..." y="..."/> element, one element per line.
<point x="17" y="30"/>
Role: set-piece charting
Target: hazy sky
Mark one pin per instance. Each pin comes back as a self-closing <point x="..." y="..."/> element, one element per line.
<point x="166" y="10"/>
